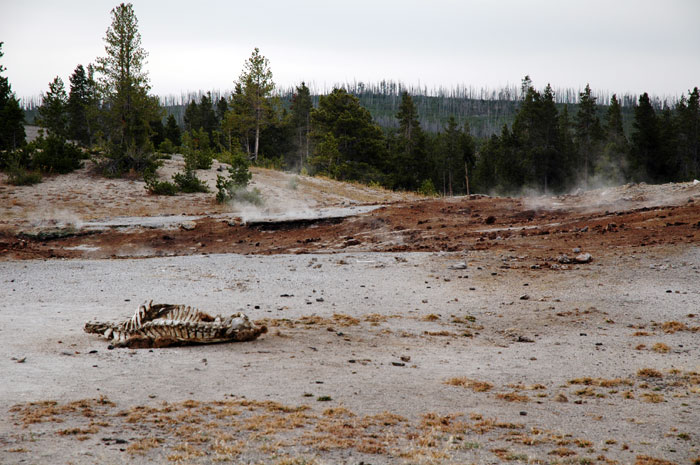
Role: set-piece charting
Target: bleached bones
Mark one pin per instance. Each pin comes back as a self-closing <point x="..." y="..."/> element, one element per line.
<point x="163" y="325"/>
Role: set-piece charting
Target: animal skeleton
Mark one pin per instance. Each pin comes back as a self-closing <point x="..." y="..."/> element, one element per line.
<point x="163" y="325"/>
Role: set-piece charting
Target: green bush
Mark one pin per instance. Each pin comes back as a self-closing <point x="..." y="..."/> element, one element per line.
<point x="233" y="187"/>
<point x="167" y="147"/>
<point x="427" y="188"/>
<point x="156" y="187"/>
<point x="20" y="176"/>
<point x="189" y="183"/>
<point x="55" y="155"/>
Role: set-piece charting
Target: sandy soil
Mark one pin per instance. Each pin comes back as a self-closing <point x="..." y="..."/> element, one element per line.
<point x="426" y="331"/>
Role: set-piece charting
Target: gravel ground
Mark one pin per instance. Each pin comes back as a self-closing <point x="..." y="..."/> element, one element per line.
<point x="391" y="329"/>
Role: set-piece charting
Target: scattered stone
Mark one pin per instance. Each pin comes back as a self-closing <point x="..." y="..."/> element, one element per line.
<point x="398" y="364"/>
<point x="320" y="299"/>
<point x="524" y="339"/>
<point x="405" y="358"/>
<point x="576" y="250"/>
<point x="560" y="398"/>
<point x="563" y="259"/>
<point x="535" y="267"/>
<point x="584" y="229"/>
<point x="490" y="220"/>
<point x="583" y="258"/>
<point x="523" y="413"/>
<point x="459" y="266"/>
<point x="524" y="297"/>
<point x="188" y="225"/>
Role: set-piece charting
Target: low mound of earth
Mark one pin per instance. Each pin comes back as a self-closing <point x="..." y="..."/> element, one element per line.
<point x="401" y="329"/>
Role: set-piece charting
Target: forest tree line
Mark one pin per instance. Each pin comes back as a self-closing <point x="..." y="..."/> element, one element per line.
<point x="524" y="139"/>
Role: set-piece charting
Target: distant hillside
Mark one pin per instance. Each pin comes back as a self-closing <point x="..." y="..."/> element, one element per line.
<point x="487" y="110"/>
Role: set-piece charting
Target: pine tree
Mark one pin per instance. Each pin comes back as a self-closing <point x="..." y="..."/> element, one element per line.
<point x="172" y="131"/>
<point x="611" y="165"/>
<point x="257" y="86"/>
<point x="688" y="115"/>
<point x="53" y="112"/>
<point x="12" y="133"/>
<point x="301" y="120"/>
<point x="613" y="124"/>
<point x="468" y="149"/>
<point x="645" y="139"/>
<point x="357" y="144"/>
<point x="410" y="166"/>
<point x="588" y="132"/>
<point x="125" y="88"/>
<point x="79" y="100"/>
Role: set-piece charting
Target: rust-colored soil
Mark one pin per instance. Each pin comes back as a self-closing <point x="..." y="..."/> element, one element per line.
<point x="469" y="223"/>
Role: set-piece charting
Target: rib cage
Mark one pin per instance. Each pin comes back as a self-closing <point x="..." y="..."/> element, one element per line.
<point x="162" y="325"/>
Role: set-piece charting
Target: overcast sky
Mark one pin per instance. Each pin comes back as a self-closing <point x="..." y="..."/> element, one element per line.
<point x="615" y="45"/>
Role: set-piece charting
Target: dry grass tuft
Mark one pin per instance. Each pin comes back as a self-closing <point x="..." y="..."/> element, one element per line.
<point x="602" y="382"/>
<point x="513" y="397"/>
<point x="649" y="373"/>
<point x="646" y="460"/>
<point x="430" y="317"/>
<point x="143" y="445"/>
<point x="671" y="327"/>
<point x="474" y="385"/>
<point x="661" y="348"/>
<point x="652" y="397"/>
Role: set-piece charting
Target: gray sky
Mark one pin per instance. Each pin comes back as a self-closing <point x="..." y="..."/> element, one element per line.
<point x="615" y="45"/>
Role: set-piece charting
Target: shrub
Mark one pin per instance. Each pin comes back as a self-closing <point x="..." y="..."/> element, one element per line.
<point x="167" y="147"/>
<point x="156" y="187"/>
<point x="55" y="155"/>
<point x="188" y="182"/>
<point x="20" y="176"/>
<point x="233" y="187"/>
<point x="427" y="188"/>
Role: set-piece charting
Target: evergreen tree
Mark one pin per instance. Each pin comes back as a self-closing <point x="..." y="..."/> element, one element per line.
<point x="301" y="120"/>
<point x="207" y="114"/>
<point x="53" y="112"/>
<point x="567" y="154"/>
<point x="468" y="150"/>
<point x="221" y="109"/>
<point x="125" y="88"/>
<point x="613" y="123"/>
<point x="257" y="86"/>
<point x="588" y="133"/>
<point x="79" y="100"/>
<point x="238" y="126"/>
<point x="350" y="146"/>
<point x="410" y="166"/>
<point x="172" y="131"/>
<point x="192" y="119"/>
<point x="688" y="115"/>
<point x="611" y="165"/>
<point x="12" y="133"/>
<point x="645" y="139"/>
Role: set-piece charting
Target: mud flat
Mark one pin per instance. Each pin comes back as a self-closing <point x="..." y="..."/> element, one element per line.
<point x="374" y="357"/>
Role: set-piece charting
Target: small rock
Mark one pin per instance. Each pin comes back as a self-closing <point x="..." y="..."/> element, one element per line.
<point x="560" y="398"/>
<point x="535" y="267"/>
<point x="398" y="364"/>
<point x="405" y="358"/>
<point x="563" y="259"/>
<point x="459" y="266"/>
<point x="583" y="258"/>
<point x="584" y="229"/>
<point x="523" y="413"/>
<point x="576" y="250"/>
<point x="524" y="339"/>
<point x="188" y="225"/>
<point x="524" y="297"/>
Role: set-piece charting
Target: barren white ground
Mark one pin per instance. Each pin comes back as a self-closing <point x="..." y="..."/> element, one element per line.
<point x="44" y="305"/>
